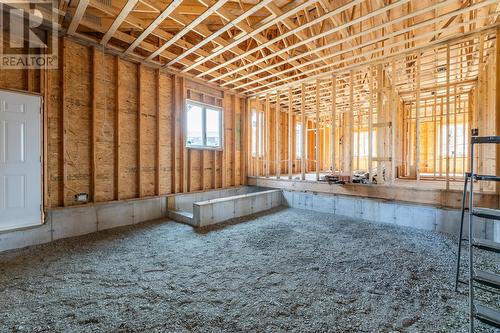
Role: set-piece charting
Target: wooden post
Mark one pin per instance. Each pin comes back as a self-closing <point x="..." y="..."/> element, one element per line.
<point x="497" y="107"/>
<point x="277" y="135"/>
<point x="304" y="132"/>
<point x="64" y="122"/>
<point x="139" y="131"/>
<point x="223" y="164"/>
<point x="434" y="120"/>
<point x="117" y="130"/>
<point x="351" y="123"/>
<point x="267" y="136"/>
<point x="290" y="133"/>
<point x="370" y="124"/>
<point x="380" y="112"/>
<point x="417" y="122"/>
<point x="93" y="131"/>
<point x="317" y="128"/>
<point x="333" y="123"/>
<point x="158" y="147"/>
<point x="394" y="107"/>
<point x="447" y="116"/>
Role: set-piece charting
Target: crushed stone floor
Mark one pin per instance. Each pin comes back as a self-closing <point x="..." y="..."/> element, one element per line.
<point x="288" y="270"/>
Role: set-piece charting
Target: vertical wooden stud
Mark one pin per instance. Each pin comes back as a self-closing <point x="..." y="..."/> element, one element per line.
<point x="317" y="128"/>
<point x="290" y="152"/>
<point x="304" y="131"/>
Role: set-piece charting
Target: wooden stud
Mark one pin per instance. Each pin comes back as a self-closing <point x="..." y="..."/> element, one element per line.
<point x="267" y="141"/>
<point x="303" y="132"/>
<point x="333" y="124"/>
<point x="447" y="117"/>
<point x="290" y="133"/>
<point x="417" y="121"/>
<point x="93" y="132"/>
<point x="64" y="85"/>
<point x="277" y="124"/>
<point x="117" y="130"/>
<point x="497" y="105"/>
<point x="139" y="131"/>
<point x="370" y="124"/>
<point x="158" y="135"/>
<point x="317" y="128"/>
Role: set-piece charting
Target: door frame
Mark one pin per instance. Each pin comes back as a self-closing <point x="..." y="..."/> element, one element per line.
<point x="43" y="156"/>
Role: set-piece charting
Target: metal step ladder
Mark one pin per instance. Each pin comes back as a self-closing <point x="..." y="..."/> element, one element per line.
<point x="478" y="279"/>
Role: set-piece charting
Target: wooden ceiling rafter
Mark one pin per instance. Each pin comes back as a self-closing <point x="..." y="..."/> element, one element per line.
<point x="380" y="49"/>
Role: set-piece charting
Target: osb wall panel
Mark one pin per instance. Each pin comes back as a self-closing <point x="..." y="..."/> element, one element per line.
<point x="148" y="113"/>
<point x="105" y="126"/>
<point x="121" y="124"/>
<point x="166" y="133"/>
<point x="77" y="105"/>
<point x="128" y="129"/>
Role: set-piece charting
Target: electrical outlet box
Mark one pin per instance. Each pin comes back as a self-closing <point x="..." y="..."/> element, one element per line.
<point x="81" y="197"/>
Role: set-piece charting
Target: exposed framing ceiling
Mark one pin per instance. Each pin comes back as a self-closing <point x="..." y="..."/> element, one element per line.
<point x="261" y="48"/>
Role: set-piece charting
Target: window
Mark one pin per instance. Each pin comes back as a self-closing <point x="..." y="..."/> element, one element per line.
<point x="204" y="125"/>
<point x="257" y="133"/>
<point x="298" y="141"/>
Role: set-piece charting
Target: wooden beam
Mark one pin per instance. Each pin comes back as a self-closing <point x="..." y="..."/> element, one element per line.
<point x="153" y="26"/>
<point x="226" y="27"/>
<point x="187" y="28"/>
<point x="129" y="6"/>
<point x="75" y="22"/>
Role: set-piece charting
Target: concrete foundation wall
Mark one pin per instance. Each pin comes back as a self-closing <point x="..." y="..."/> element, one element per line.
<point x="184" y="202"/>
<point x="412" y="215"/>
<point x="81" y="220"/>
<point x="224" y="209"/>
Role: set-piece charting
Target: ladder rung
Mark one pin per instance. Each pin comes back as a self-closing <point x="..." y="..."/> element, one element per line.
<point x="487" y="315"/>
<point x="488" y="213"/>
<point x="487" y="178"/>
<point x="485" y="244"/>
<point x="487" y="279"/>
<point x="485" y="139"/>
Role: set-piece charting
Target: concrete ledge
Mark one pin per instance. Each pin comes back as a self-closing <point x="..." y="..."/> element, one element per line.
<point x="81" y="220"/>
<point x="223" y="209"/>
<point x="433" y="197"/>
<point x="184" y="202"/>
<point x="413" y="215"/>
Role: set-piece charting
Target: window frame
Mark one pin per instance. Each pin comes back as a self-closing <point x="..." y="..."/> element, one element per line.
<point x="204" y="107"/>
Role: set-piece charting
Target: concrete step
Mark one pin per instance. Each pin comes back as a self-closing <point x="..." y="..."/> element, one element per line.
<point x="179" y="216"/>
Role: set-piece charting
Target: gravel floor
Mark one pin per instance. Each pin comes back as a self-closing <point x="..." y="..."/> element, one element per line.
<point x="290" y="270"/>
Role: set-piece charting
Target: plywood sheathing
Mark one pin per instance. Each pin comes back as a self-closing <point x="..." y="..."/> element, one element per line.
<point x="114" y="128"/>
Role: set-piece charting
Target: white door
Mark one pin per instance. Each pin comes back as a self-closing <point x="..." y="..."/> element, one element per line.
<point x="20" y="161"/>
